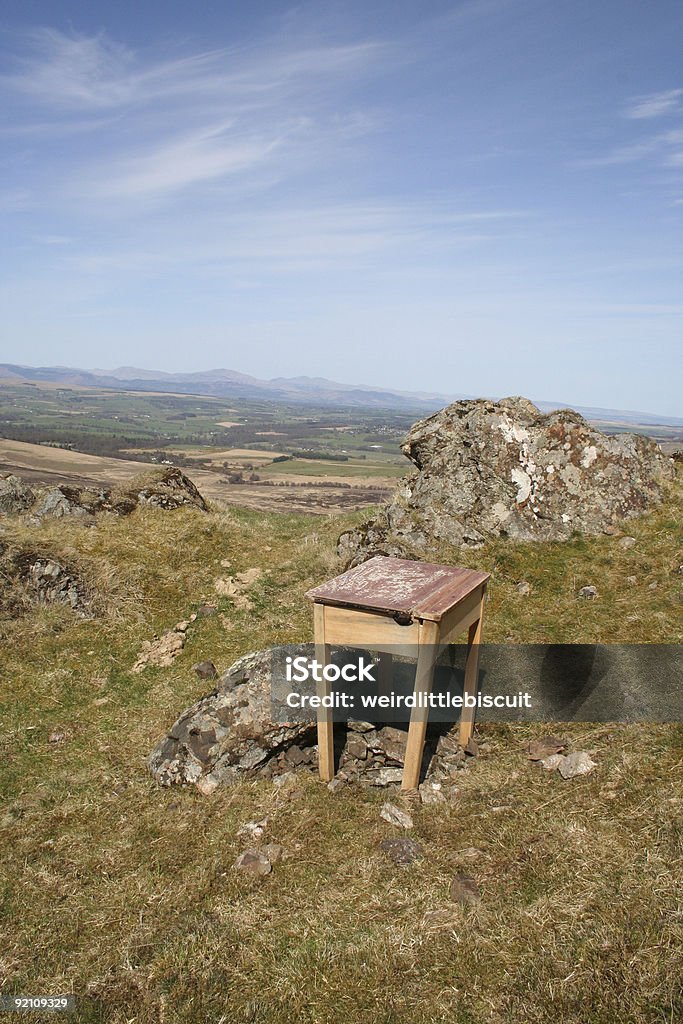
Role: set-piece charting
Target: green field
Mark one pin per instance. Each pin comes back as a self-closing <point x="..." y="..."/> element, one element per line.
<point x="309" y="467"/>
<point x="103" y="422"/>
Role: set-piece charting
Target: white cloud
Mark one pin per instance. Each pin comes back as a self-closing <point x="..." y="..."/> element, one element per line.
<point x="159" y="126"/>
<point x="213" y="152"/>
<point x="93" y="72"/>
<point x="302" y="239"/>
<point x="656" y="104"/>
<point x="74" y="70"/>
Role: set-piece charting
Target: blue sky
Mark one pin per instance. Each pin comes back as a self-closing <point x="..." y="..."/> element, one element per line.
<point x="475" y="197"/>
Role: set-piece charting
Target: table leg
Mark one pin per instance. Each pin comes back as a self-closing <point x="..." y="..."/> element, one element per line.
<point x="324" y="715"/>
<point x="471" y="675"/>
<point x="426" y="659"/>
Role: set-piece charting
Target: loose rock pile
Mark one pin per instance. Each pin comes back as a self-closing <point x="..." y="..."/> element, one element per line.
<point x="503" y="469"/>
<point x="238" y="729"/>
<point x="29" y="579"/>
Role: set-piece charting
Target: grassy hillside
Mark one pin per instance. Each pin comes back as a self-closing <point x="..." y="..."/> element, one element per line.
<point x="126" y="894"/>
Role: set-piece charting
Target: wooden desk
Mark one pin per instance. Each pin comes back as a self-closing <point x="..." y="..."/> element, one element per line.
<point x="390" y="602"/>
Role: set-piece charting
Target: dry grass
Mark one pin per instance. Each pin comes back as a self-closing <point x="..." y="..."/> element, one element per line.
<point x="126" y="894"/>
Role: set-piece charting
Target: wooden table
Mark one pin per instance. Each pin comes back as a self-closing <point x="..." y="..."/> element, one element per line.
<point x="389" y="602"/>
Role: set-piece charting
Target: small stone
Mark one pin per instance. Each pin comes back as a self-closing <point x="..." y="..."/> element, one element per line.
<point x="523" y="588"/>
<point x="552" y="762"/>
<point x="395" y="816"/>
<point x="472" y="747"/>
<point x="254" y="862"/>
<point x="286" y="779"/>
<point x="653" y="586"/>
<point x="627" y="542"/>
<point x="465" y="890"/>
<point x="160" y="653"/>
<point x="578" y="763"/>
<point x="205" y="670"/>
<point x="336" y="784"/>
<point x="544" y="747"/>
<point x="402" y="851"/>
<point x="253" y="829"/>
<point x="180" y="627"/>
<point x="274" y="852"/>
<point x="206" y="785"/>
<point x="57" y="736"/>
<point x="356" y="726"/>
<point x="295" y="755"/>
<point x="589" y="593"/>
<point x="631" y="580"/>
<point x="431" y="793"/>
<point x="357" y="747"/>
<point x="385" y="776"/>
<point x="392" y="742"/>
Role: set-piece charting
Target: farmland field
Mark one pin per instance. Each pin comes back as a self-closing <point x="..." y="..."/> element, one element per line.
<point x="255" y="454"/>
<point x="259" y="456"/>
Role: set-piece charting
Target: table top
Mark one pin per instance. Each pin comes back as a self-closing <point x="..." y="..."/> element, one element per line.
<point x="399" y="586"/>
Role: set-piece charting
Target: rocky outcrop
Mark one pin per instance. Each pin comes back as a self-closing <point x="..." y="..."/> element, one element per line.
<point x="29" y="579"/>
<point x="164" y="487"/>
<point x="15" y="495"/>
<point x="242" y="728"/>
<point x="61" y="501"/>
<point x="53" y="583"/>
<point x="487" y="469"/>
<point x="228" y="732"/>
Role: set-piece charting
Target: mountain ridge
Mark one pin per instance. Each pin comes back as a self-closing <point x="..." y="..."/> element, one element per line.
<point x="298" y="390"/>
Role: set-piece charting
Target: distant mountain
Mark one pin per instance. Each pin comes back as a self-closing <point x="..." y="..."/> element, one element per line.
<point x="230" y="384"/>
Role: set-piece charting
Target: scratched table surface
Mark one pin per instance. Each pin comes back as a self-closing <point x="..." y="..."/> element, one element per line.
<point x="398" y="586"/>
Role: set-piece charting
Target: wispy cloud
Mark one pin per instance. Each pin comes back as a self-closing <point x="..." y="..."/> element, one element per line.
<point x="662" y="146"/>
<point x="160" y="126"/>
<point x="304" y="240"/>
<point x="655" y="105"/>
<point x="188" y="159"/>
<point x="94" y="72"/>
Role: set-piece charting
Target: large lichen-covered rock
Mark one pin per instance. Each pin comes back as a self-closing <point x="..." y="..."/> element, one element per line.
<point x="231" y="731"/>
<point x="490" y="469"/>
